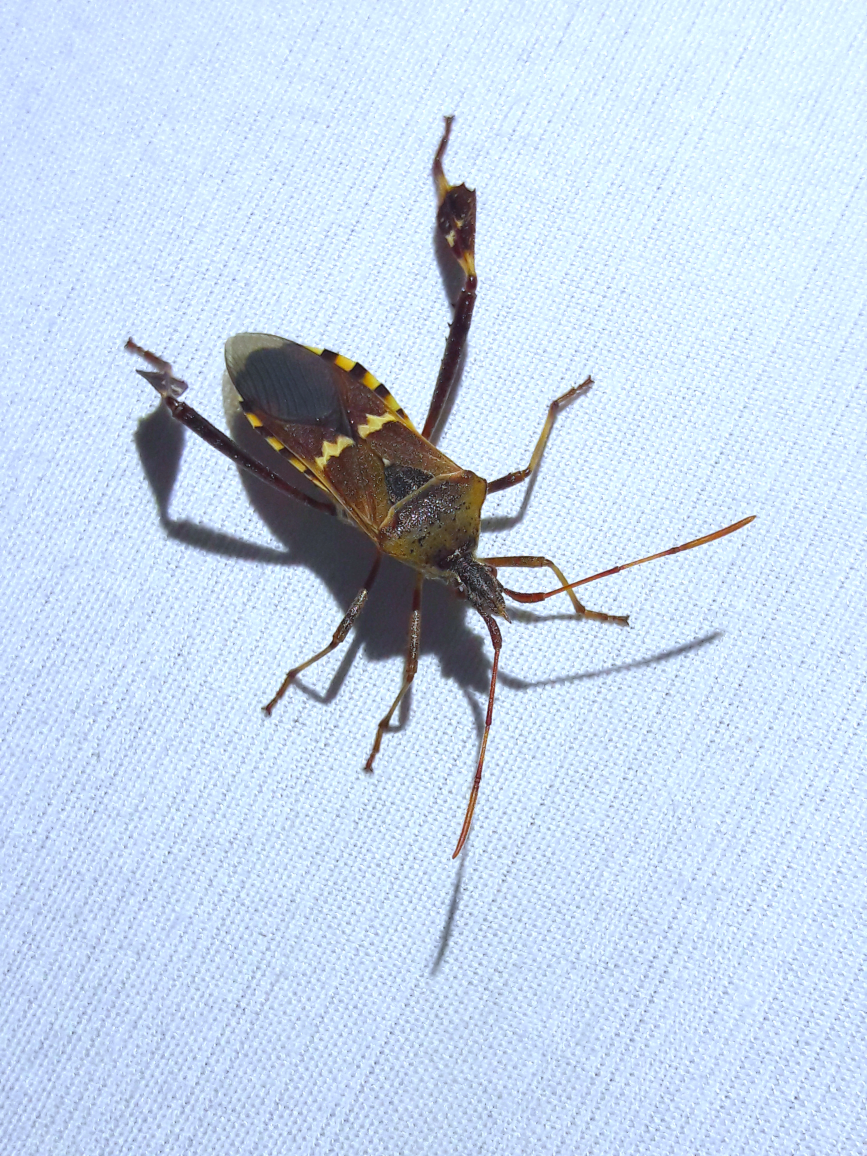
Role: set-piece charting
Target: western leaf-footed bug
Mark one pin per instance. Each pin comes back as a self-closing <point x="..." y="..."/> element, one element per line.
<point x="345" y="432"/>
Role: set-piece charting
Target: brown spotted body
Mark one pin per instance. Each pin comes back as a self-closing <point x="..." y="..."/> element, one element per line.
<point x="345" y="432"/>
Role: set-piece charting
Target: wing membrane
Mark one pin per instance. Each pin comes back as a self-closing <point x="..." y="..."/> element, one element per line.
<point x="335" y="422"/>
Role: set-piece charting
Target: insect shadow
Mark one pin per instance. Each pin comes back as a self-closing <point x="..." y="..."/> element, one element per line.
<point x="341" y="557"/>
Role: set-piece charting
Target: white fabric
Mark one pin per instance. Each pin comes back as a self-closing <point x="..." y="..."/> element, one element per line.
<point x="218" y="934"/>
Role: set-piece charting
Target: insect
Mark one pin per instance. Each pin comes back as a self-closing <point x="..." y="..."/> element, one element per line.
<point x="368" y="463"/>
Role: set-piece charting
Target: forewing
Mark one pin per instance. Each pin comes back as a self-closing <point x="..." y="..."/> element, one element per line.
<point x="334" y="421"/>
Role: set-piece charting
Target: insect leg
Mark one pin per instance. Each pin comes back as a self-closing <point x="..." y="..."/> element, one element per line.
<point x="170" y="389"/>
<point x="568" y="587"/>
<point x="517" y="476"/>
<point x="497" y="640"/>
<point x="410" y="667"/>
<point x="340" y="633"/>
<point x="456" y="220"/>
<point x="534" y="562"/>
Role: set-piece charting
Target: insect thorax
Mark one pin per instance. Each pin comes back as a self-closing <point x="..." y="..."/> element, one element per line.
<point x="435" y="529"/>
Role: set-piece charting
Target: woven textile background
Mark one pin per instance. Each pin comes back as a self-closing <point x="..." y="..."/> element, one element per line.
<point x="218" y="935"/>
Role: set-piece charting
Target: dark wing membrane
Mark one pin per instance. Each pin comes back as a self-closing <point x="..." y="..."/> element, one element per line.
<point x="286" y="381"/>
<point x="335" y="422"/>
